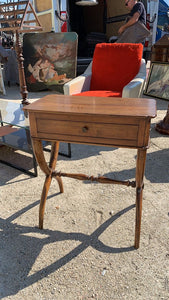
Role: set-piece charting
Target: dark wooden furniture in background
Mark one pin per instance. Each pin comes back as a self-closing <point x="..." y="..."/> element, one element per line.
<point x="101" y="121"/>
<point x="163" y="125"/>
<point x="160" y="53"/>
<point x="19" y="17"/>
<point x="160" y="50"/>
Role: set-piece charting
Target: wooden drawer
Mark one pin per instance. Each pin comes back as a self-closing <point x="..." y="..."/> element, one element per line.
<point x="111" y="131"/>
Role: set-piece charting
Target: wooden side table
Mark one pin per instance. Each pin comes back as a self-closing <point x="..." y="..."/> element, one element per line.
<point x="118" y="122"/>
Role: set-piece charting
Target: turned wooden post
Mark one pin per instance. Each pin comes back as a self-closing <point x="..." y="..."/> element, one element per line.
<point x="19" y="18"/>
<point x="22" y="81"/>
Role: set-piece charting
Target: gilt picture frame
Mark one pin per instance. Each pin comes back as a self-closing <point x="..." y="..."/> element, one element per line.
<point x="158" y="81"/>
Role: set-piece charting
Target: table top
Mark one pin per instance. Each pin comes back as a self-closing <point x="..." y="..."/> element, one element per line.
<point x="12" y="113"/>
<point x="61" y="104"/>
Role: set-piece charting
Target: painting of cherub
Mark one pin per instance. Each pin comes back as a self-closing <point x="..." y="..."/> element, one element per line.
<point x="50" y="60"/>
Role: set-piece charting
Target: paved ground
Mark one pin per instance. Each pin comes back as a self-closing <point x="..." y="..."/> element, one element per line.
<point x="86" y="248"/>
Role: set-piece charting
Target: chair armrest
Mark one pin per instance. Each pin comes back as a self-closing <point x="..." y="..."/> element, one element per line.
<point x="135" y="87"/>
<point x="79" y="84"/>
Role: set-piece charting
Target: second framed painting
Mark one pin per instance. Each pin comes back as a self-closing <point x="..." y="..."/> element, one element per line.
<point x="158" y="81"/>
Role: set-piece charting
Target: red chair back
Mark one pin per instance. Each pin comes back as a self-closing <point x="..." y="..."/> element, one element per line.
<point x="115" y="65"/>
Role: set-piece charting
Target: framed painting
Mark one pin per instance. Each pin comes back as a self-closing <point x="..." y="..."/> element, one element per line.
<point x="50" y="60"/>
<point x="158" y="81"/>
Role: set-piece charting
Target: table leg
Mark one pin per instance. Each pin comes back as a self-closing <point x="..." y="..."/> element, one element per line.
<point x="38" y="150"/>
<point x="140" y="168"/>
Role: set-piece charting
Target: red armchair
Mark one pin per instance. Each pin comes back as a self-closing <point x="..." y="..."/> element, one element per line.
<point x="117" y="70"/>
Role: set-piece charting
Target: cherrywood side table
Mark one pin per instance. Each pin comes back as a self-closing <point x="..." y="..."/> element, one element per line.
<point x="117" y="122"/>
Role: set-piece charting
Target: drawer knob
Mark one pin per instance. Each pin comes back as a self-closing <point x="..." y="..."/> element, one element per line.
<point x="85" y="129"/>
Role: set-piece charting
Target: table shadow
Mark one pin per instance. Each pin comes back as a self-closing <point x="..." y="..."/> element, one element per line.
<point x="19" y="251"/>
<point x="156" y="170"/>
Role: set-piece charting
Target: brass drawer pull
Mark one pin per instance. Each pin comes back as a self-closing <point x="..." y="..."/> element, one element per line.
<point x="85" y="129"/>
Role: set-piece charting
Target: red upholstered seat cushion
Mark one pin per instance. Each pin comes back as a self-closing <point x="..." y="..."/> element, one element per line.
<point x="100" y="94"/>
<point x="115" y="65"/>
